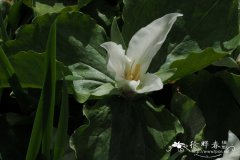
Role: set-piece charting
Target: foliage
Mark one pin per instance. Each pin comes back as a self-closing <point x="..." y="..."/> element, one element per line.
<point x="59" y="101"/>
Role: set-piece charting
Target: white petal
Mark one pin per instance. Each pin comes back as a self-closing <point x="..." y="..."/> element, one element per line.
<point x="232" y="141"/>
<point x="128" y="85"/>
<point x="149" y="83"/>
<point x="132" y="85"/>
<point x="147" y="41"/>
<point x="117" y="59"/>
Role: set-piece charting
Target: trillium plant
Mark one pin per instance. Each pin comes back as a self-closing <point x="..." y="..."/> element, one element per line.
<point x="130" y="67"/>
<point x="119" y="80"/>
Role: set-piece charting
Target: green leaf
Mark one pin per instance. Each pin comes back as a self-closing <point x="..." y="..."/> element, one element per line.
<point x="102" y="11"/>
<point x="61" y="137"/>
<point x="197" y="22"/>
<point x="83" y="35"/>
<point x="92" y="142"/>
<point x="29" y="37"/>
<point x="71" y="26"/>
<point x="232" y="43"/>
<point x="41" y="8"/>
<point x="198" y="18"/>
<point x="19" y="13"/>
<point x="189" y="115"/>
<point x="78" y="46"/>
<point x="87" y="58"/>
<point x="50" y="84"/>
<point x="30" y="78"/>
<point x="233" y="82"/>
<point x="215" y="99"/>
<point x="116" y="35"/>
<point x="10" y="75"/>
<point x="187" y="58"/>
<point x="121" y="129"/>
<point x="91" y="80"/>
<point x="165" y="75"/>
<point x="227" y="62"/>
<point x="43" y="123"/>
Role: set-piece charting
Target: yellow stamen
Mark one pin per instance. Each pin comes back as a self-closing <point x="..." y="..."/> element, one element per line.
<point x="133" y="73"/>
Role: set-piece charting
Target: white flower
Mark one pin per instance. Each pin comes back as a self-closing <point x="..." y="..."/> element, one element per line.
<point x="130" y="69"/>
<point x="232" y="151"/>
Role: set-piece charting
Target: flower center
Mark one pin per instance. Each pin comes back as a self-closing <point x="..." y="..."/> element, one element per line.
<point x="133" y="73"/>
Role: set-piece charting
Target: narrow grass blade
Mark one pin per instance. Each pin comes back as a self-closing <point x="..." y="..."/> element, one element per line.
<point x="49" y="94"/>
<point x="61" y="137"/>
<point x="37" y="130"/>
<point x="43" y="123"/>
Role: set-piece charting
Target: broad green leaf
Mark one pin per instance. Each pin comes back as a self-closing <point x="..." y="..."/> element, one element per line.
<point x="91" y="81"/>
<point x="165" y="75"/>
<point x="93" y="141"/>
<point x="121" y="129"/>
<point x="233" y="82"/>
<point x="19" y="13"/>
<point x="87" y="58"/>
<point x="198" y="17"/>
<point x="30" y="68"/>
<point x="71" y="26"/>
<point x="232" y="43"/>
<point x="31" y="3"/>
<point x="102" y="11"/>
<point x="226" y="62"/>
<point x="213" y="96"/>
<point x="23" y="98"/>
<point x="206" y="23"/>
<point x="116" y="35"/>
<point x="189" y="115"/>
<point x="30" y="37"/>
<point x="187" y="58"/>
<point x="79" y="45"/>
<point x="81" y="41"/>
<point x="41" y="8"/>
<point x="43" y="123"/>
<point x="61" y="137"/>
